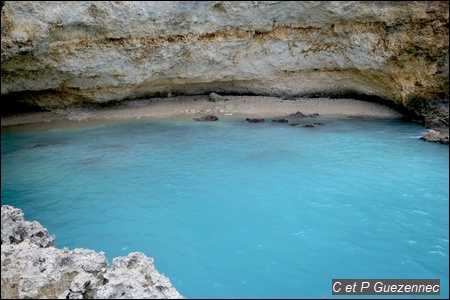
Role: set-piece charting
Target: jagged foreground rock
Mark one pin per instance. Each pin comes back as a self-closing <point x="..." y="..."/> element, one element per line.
<point x="32" y="268"/>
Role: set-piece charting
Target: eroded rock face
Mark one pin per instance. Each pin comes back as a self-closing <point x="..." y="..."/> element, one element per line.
<point x="32" y="268"/>
<point x="61" y="53"/>
<point x="15" y="229"/>
<point x="64" y="53"/>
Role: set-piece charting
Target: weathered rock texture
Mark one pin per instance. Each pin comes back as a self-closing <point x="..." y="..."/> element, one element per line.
<point x="32" y="268"/>
<point x="63" y="53"/>
<point x="437" y="136"/>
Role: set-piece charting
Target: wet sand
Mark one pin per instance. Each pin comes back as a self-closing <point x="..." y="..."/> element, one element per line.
<point x="196" y="106"/>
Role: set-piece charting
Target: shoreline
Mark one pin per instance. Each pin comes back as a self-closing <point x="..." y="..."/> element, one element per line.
<point x="195" y="106"/>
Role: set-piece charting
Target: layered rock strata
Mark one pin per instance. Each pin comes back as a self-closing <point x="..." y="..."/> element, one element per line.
<point x="32" y="268"/>
<point x="64" y="53"/>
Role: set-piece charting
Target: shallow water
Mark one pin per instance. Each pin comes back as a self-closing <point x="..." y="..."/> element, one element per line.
<point x="231" y="209"/>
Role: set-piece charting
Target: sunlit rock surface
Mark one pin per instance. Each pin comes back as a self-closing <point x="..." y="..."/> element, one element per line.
<point x="32" y="268"/>
<point x="62" y="53"/>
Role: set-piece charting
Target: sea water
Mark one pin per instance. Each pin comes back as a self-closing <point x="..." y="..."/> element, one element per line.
<point x="231" y="209"/>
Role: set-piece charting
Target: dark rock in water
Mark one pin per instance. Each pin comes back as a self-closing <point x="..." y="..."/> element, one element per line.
<point x="207" y="118"/>
<point x="319" y="123"/>
<point x="315" y="114"/>
<point x="255" y="120"/>
<point x="301" y="125"/>
<point x="280" y="121"/>
<point x="298" y="114"/>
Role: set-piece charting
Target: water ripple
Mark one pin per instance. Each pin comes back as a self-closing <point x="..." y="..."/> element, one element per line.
<point x="234" y="210"/>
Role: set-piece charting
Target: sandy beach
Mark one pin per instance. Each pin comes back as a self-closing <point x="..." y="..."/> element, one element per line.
<point x="197" y="106"/>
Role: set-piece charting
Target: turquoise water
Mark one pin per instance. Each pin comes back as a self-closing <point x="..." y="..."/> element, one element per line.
<point x="231" y="209"/>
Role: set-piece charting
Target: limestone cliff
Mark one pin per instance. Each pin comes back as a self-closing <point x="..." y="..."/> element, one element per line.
<point x="32" y="268"/>
<point x="57" y="54"/>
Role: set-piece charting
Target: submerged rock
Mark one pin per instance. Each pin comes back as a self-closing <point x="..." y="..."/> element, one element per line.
<point x="42" y="145"/>
<point x="255" y="120"/>
<point x="280" y="121"/>
<point x="306" y="125"/>
<point x="32" y="268"/>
